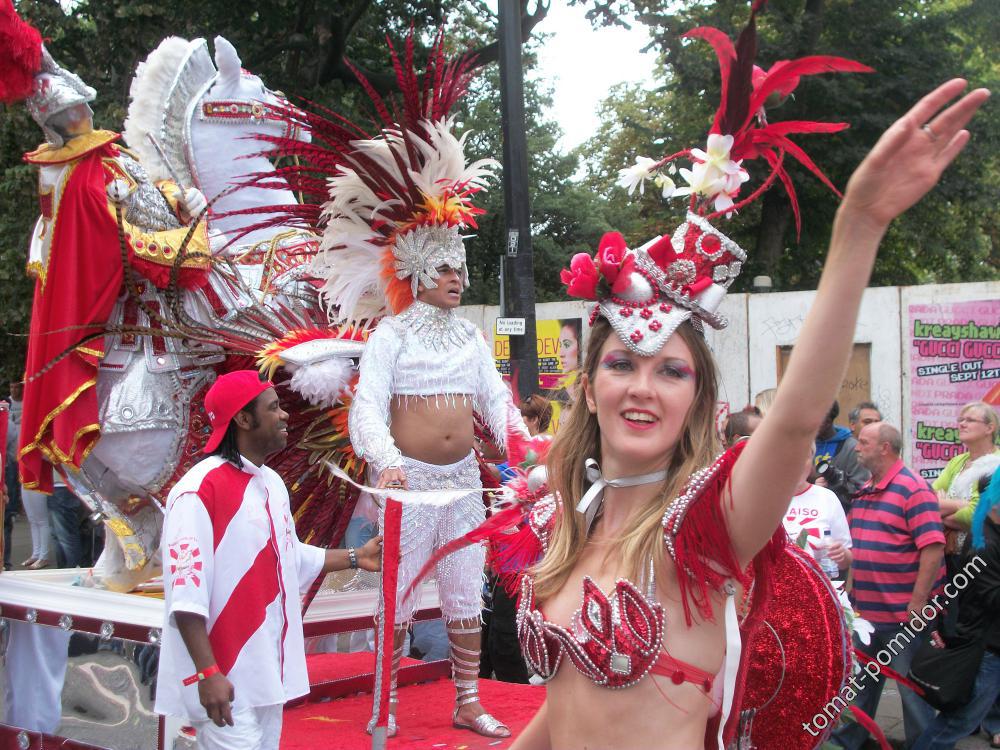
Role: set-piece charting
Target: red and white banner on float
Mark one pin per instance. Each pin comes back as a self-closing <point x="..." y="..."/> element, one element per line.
<point x="384" y="641"/>
<point x="954" y="359"/>
<point x="390" y="568"/>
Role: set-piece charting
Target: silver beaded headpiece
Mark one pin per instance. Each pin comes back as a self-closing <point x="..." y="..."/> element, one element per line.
<point x="418" y="255"/>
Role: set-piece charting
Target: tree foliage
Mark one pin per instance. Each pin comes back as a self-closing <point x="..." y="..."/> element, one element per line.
<point x="566" y="216"/>
<point x="912" y="44"/>
<point x="300" y="47"/>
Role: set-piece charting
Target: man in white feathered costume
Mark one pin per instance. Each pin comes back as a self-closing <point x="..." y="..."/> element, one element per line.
<point x="392" y="247"/>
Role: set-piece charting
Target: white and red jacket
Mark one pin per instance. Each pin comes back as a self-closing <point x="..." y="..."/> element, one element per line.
<point x="231" y="555"/>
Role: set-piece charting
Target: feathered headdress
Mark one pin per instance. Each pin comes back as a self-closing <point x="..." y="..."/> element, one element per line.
<point x="646" y="293"/>
<point x="392" y="203"/>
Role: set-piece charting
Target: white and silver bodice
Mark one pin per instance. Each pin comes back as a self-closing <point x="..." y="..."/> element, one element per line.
<point x="425" y="352"/>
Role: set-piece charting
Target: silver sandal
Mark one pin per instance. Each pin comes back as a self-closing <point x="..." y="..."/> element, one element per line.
<point x="486" y="725"/>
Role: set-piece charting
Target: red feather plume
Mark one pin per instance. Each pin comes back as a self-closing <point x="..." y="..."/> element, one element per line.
<point x="427" y="96"/>
<point x="746" y="91"/>
<point x="20" y="55"/>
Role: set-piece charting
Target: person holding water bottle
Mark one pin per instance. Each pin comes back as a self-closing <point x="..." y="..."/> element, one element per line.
<point x="816" y="511"/>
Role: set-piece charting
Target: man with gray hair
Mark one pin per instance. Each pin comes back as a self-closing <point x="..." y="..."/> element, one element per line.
<point x="898" y="551"/>
<point x="863" y="414"/>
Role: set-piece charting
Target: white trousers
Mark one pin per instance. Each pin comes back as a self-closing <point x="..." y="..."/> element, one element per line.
<point x="34" y="676"/>
<point x="254" y="728"/>
<point x="36" y="507"/>
<point x="425" y="528"/>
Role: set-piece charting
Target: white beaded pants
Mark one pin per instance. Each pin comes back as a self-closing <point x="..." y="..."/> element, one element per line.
<point x="425" y="528"/>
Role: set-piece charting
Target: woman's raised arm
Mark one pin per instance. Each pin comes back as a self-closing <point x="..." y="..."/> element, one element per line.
<point x="903" y="166"/>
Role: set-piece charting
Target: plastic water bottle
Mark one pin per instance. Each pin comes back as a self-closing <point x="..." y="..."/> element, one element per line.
<point x="823" y="558"/>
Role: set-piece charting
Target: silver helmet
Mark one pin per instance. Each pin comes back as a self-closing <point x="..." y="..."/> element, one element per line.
<point x="56" y="90"/>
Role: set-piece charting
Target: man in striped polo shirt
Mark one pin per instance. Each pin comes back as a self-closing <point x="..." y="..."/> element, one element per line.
<point x="898" y="563"/>
<point x="233" y="572"/>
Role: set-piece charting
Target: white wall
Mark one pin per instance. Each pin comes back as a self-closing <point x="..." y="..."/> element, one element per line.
<point x="746" y="351"/>
<point x="776" y="320"/>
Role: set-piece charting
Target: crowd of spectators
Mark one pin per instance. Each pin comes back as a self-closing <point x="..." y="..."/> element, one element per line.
<point x="900" y="532"/>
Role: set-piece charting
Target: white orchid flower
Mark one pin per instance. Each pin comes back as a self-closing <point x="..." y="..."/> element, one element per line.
<point x="703" y="179"/>
<point x="717" y="152"/>
<point x="863" y="629"/>
<point x="714" y="174"/>
<point x="734" y="180"/>
<point x="636" y="175"/>
<point x="723" y="202"/>
<point x="667" y="186"/>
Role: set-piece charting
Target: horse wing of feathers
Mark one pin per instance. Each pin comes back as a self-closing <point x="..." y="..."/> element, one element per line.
<point x="154" y="79"/>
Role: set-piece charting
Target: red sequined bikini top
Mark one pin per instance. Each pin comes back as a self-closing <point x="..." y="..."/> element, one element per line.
<point x="614" y="641"/>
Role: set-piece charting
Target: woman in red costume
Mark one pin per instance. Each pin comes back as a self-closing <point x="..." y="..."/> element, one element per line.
<point x="646" y="532"/>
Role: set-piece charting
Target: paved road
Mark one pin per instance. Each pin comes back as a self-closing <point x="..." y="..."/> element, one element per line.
<point x="890" y="718"/>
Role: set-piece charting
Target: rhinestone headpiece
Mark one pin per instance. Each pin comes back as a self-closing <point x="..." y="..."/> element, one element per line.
<point x="419" y="253"/>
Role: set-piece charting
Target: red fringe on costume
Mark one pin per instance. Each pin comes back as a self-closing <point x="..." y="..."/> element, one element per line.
<point x="510" y="555"/>
<point x="889" y="672"/>
<point x="703" y="550"/>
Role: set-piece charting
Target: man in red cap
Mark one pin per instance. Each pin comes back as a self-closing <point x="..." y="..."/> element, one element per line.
<point x="233" y="570"/>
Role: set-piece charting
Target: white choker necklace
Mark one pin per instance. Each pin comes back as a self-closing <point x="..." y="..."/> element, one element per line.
<point x="590" y="503"/>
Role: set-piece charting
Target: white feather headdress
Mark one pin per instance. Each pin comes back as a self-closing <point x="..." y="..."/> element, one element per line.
<point x="394" y="202"/>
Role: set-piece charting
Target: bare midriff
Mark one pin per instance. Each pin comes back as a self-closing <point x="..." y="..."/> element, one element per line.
<point x="433" y="429"/>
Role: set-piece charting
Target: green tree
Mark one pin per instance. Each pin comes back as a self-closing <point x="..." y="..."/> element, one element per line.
<point x="566" y="216"/>
<point x="912" y="44"/>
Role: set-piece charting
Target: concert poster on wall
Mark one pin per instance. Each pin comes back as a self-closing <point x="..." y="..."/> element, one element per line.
<point x="559" y="359"/>
<point x="954" y="359"/>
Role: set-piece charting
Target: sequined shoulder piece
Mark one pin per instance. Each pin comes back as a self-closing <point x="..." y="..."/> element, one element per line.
<point x="712" y="476"/>
<point x="542" y="518"/>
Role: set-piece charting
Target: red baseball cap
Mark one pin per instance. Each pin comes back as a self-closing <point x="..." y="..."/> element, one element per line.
<point x="228" y="394"/>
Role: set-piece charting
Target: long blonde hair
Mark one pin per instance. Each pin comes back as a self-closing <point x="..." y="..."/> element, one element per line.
<point x="579" y="438"/>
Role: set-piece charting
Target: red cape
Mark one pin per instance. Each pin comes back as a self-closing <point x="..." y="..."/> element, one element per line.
<point x="73" y="299"/>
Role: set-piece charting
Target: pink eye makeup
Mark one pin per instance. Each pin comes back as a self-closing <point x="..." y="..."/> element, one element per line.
<point x="680" y="369"/>
<point x="615" y="360"/>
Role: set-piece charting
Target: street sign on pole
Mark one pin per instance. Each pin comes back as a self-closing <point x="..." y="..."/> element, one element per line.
<point x="510" y="326"/>
<point x="512" y="243"/>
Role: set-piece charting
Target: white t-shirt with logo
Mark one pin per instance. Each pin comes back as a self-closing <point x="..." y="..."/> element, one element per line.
<point x="811" y="510"/>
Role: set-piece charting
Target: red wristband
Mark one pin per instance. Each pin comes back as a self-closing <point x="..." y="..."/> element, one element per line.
<point x="202" y="675"/>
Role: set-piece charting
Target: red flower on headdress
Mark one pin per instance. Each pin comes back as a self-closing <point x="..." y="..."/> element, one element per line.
<point x="615" y="261"/>
<point x="624" y="280"/>
<point x="581" y="277"/>
<point x="610" y="255"/>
